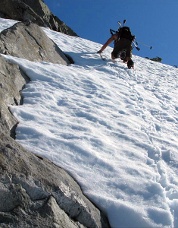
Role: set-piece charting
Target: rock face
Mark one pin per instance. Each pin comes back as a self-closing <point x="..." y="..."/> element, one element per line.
<point x="12" y="80"/>
<point x="33" y="191"/>
<point x="30" y="42"/>
<point x="36" y="193"/>
<point x="35" y="11"/>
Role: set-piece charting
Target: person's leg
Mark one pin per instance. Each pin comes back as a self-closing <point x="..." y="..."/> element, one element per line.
<point x="114" y="55"/>
<point x="118" y="47"/>
<point x="128" y="51"/>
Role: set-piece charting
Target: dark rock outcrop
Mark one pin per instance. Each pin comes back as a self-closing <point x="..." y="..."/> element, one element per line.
<point x="35" y="11"/>
<point x="30" y="42"/>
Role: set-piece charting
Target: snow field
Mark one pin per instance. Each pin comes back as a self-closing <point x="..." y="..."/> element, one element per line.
<point x="114" y="129"/>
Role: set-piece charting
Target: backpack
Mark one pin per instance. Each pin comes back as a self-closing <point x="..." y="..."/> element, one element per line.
<point x="124" y="32"/>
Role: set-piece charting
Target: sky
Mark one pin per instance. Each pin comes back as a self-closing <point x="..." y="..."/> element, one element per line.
<point x="112" y="128"/>
<point x="153" y="22"/>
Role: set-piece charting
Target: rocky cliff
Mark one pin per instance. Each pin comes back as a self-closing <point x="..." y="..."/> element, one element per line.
<point x="33" y="191"/>
<point x="35" y="11"/>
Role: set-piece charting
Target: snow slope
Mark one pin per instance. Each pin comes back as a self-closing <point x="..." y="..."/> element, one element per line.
<point x="114" y="129"/>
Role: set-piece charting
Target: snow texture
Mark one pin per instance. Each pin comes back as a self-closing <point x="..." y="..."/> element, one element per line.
<point x="114" y="129"/>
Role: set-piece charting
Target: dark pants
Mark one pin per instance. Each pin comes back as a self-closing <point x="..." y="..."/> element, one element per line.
<point x="119" y="46"/>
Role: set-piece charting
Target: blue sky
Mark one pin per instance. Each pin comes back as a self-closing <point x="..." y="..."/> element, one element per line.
<point x="154" y="22"/>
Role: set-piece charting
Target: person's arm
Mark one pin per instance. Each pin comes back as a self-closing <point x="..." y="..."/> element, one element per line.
<point x="107" y="43"/>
